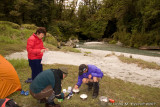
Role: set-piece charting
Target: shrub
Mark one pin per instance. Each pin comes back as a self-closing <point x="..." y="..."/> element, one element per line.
<point x="112" y="42"/>
<point x="29" y="26"/>
<point x="51" y="40"/>
<point x="13" y="25"/>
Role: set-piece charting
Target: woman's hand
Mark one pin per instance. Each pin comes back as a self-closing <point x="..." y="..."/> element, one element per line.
<point x="90" y="76"/>
<point x="76" y="87"/>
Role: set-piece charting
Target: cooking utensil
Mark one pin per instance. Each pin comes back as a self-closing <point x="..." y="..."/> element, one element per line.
<point x="75" y="91"/>
<point x="83" y="96"/>
<point x="103" y="101"/>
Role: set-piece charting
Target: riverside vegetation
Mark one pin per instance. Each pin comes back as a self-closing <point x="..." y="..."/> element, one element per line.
<point x="135" y="23"/>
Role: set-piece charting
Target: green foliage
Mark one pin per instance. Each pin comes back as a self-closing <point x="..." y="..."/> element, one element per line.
<point x="29" y="26"/>
<point x="19" y="63"/>
<point x="70" y="49"/>
<point x="66" y="28"/>
<point x="51" y="40"/>
<point x="93" y="29"/>
<point x="73" y="37"/>
<point x="112" y="42"/>
<point x="136" y="20"/>
<point x="11" y="35"/>
<point x="6" y="39"/>
<point x="123" y="37"/>
<point x="13" y="25"/>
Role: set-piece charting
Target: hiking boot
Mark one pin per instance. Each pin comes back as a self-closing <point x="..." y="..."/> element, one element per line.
<point x="90" y="85"/>
<point x="29" y="80"/>
<point x="96" y="89"/>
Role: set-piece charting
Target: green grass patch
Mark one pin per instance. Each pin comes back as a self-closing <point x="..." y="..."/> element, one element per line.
<point x="7" y="49"/>
<point x="122" y="92"/>
<point x="87" y="52"/>
<point x="19" y="63"/>
<point x="139" y="62"/>
<point x="8" y="40"/>
<point x="70" y="49"/>
<point x="50" y="47"/>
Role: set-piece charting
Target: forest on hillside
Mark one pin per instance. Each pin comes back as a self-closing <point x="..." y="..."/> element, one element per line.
<point x="134" y="23"/>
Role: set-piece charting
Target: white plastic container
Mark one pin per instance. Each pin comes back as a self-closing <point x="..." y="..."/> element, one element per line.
<point x="69" y="89"/>
<point x="64" y="90"/>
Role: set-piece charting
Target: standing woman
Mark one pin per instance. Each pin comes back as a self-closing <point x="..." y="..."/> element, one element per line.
<point x="35" y="51"/>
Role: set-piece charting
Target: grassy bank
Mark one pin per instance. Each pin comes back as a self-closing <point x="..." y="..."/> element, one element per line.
<point x="13" y="38"/>
<point x="122" y="92"/>
<point x="141" y="63"/>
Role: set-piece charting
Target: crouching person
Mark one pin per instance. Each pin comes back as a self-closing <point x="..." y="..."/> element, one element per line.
<point x="90" y="75"/>
<point x="47" y="86"/>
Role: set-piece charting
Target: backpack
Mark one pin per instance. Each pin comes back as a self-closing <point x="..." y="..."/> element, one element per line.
<point x="7" y="103"/>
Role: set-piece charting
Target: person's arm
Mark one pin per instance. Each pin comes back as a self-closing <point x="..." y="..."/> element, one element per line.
<point x="79" y="81"/>
<point x="43" y="46"/>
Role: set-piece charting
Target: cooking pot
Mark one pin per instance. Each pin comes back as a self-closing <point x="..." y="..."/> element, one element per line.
<point x="75" y="91"/>
<point x="83" y="96"/>
<point x="103" y="101"/>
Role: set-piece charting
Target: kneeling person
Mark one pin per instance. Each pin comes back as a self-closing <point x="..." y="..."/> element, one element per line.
<point x="91" y="75"/>
<point x="47" y="86"/>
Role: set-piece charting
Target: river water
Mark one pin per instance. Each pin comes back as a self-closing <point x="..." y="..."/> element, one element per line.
<point x="116" y="48"/>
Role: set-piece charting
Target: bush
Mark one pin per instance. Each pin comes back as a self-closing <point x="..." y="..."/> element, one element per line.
<point x="112" y="42"/>
<point x="50" y="40"/>
<point x="13" y="25"/>
<point x="123" y="37"/>
<point x="29" y="26"/>
<point x="14" y="34"/>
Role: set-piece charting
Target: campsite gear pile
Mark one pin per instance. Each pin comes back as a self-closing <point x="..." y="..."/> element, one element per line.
<point x="70" y="91"/>
<point x="104" y="101"/>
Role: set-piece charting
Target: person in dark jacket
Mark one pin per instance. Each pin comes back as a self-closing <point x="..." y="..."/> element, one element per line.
<point x="90" y="75"/>
<point x="35" y="51"/>
<point x="47" y="86"/>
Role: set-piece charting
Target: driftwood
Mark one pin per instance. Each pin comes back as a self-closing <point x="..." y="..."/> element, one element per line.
<point x="150" y="48"/>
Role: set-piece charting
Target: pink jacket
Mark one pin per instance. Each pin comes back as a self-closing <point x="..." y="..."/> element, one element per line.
<point x="34" y="46"/>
